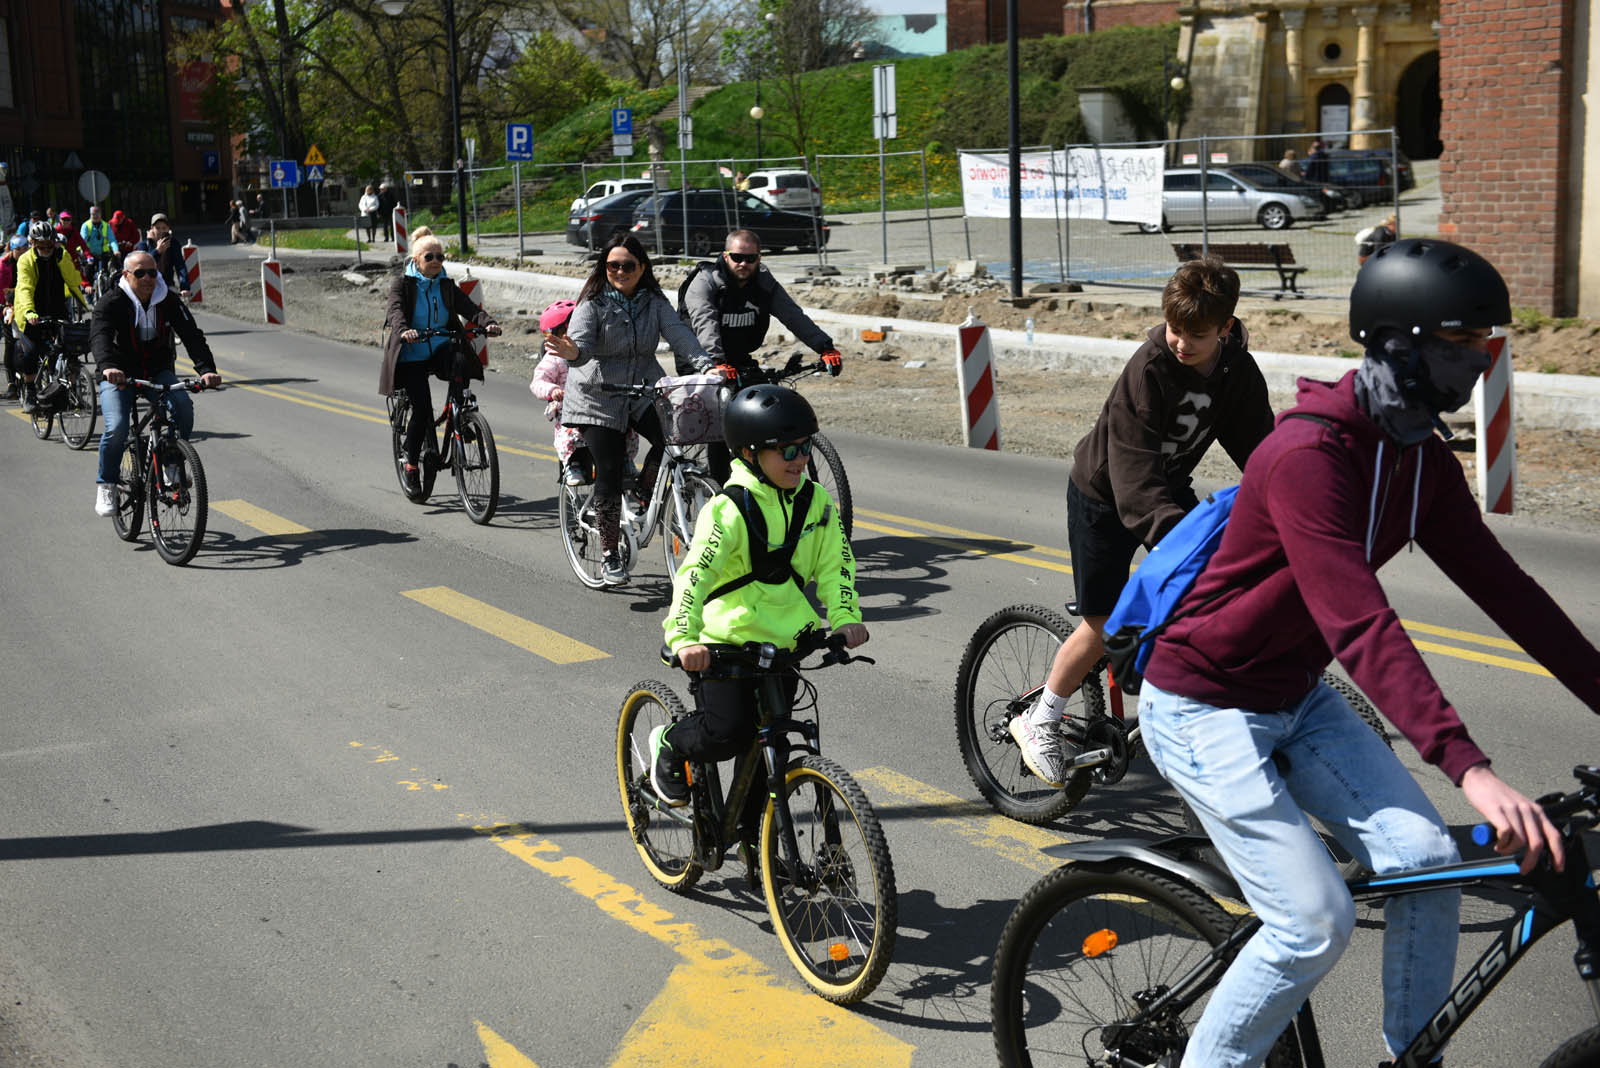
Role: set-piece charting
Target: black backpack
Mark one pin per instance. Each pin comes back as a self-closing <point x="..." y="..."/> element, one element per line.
<point x="771" y="566"/>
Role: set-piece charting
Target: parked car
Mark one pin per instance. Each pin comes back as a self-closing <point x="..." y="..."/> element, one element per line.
<point x="1333" y="197"/>
<point x="789" y="190"/>
<point x="1364" y="170"/>
<point x="607" y="187"/>
<point x="712" y="213"/>
<point x="1230" y="199"/>
<point x="592" y="226"/>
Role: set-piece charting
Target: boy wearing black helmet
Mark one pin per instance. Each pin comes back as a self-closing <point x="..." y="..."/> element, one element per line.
<point x="727" y="594"/>
<point x="1231" y="709"/>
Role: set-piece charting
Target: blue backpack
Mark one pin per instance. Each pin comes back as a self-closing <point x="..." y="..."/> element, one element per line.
<point x="1163" y="577"/>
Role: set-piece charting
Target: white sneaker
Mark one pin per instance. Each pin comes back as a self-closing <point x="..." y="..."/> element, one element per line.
<point x="1041" y="749"/>
<point x="103" y="504"/>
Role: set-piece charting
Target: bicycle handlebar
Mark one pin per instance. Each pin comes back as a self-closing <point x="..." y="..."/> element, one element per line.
<point x="191" y="385"/>
<point x="1558" y="807"/>
<point x="767" y="657"/>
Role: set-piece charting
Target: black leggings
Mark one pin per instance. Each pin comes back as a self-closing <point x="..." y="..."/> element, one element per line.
<point x="608" y="449"/>
<point x="412" y="376"/>
<point x="724" y="720"/>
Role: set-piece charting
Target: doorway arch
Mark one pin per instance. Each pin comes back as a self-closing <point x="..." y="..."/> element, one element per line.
<point x="1417" y="105"/>
<point x="1334" y="95"/>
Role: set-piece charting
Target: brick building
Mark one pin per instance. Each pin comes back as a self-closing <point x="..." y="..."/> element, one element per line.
<point x="976" y="22"/>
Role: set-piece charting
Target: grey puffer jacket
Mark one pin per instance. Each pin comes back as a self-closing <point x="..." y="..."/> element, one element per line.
<point x="617" y="346"/>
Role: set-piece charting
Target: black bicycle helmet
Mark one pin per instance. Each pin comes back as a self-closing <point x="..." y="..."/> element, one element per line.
<point x="1418" y="285"/>
<point x="766" y="415"/>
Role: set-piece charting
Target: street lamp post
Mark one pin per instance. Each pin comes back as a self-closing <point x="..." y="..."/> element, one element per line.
<point x="1172" y="83"/>
<point x="398" y="7"/>
<point x="757" y="113"/>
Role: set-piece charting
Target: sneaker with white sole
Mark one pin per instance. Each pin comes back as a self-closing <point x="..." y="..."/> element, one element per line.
<point x="612" y="573"/>
<point x="666" y="770"/>
<point x="1041" y="749"/>
<point x="103" y="503"/>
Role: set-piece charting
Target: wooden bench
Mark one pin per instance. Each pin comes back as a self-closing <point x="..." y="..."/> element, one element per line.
<point x="1252" y="256"/>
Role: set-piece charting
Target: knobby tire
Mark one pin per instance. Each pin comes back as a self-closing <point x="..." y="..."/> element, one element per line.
<point x="665" y="845"/>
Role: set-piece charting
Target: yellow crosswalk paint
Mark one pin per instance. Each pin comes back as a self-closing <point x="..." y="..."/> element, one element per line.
<point x="523" y="633"/>
<point x="498" y="1052"/>
<point x="971" y="820"/>
<point x="259" y="518"/>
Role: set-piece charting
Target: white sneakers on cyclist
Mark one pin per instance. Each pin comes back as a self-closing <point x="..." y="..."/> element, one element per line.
<point x="612" y="573"/>
<point x="103" y="504"/>
<point x="1041" y="749"/>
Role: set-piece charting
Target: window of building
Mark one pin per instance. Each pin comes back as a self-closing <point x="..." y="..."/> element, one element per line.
<point x="8" y="96"/>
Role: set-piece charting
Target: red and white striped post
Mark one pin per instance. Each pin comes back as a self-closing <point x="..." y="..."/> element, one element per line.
<point x="470" y="289"/>
<point x="191" y="263"/>
<point x="980" y="408"/>
<point x="272" y="290"/>
<point x="1496" y="446"/>
<point x="402" y="236"/>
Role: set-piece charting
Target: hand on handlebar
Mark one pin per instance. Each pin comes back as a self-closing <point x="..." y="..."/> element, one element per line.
<point x="1518" y="822"/>
<point x="854" y="634"/>
<point x="694" y="658"/>
<point x="114" y="376"/>
<point x="726" y="370"/>
<point x="833" y="362"/>
<point x="408" y="336"/>
<point x="210" y="380"/>
<point x="493" y="330"/>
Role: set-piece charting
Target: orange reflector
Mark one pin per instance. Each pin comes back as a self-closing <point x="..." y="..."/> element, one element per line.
<point x="1101" y="941"/>
<point x="872" y="335"/>
<point x="839" y="951"/>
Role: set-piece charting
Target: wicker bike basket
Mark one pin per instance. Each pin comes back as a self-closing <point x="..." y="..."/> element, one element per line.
<point x="690" y="409"/>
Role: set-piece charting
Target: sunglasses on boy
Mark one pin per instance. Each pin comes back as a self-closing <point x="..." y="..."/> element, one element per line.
<point x="794" y="450"/>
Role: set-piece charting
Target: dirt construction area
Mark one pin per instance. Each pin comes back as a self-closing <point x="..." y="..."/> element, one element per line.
<point x="905" y="386"/>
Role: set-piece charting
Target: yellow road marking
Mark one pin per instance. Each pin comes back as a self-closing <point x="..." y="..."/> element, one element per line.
<point x="939" y="528"/>
<point x="1483" y="658"/>
<point x="523" y="633"/>
<point x="260" y="518"/>
<point x="971" y="820"/>
<point x="498" y="1052"/>
<point x="1461" y="635"/>
<point x="722" y="998"/>
<point x="20" y="414"/>
<point x="967" y="547"/>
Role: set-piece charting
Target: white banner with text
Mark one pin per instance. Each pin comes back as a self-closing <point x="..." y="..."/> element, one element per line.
<point x="1110" y="184"/>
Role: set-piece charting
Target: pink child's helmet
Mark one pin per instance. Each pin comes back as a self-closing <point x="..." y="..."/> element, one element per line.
<point x="556" y="315"/>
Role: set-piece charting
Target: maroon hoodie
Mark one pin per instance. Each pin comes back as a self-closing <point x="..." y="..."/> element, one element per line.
<point x="1320" y="509"/>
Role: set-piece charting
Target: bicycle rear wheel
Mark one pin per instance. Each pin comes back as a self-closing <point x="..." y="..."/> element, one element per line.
<point x="581" y="534"/>
<point x="42" y="417"/>
<point x="690" y="493"/>
<point x="1005" y="664"/>
<point x="829" y="473"/>
<point x="836" y="908"/>
<point x="177" y="501"/>
<point x="664" y="840"/>
<point x="78" y="419"/>
<point x="400" y="412"/>
<point x="477" y="467"/>
<point x="127" y="496"/>
<point x="1084" y="950"/>
<point x="1580" y="1051"/>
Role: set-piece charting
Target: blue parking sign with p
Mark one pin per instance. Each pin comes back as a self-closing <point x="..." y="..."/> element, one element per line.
<point x="519" y="142"/>
<point x="622" y="121"/>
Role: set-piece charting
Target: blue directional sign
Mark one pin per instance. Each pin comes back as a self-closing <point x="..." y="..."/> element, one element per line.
<point x="519" y="142"/>
<point x="316" y="173"/>
<point x="285" y="173"/>
<point x="622" y="122"/>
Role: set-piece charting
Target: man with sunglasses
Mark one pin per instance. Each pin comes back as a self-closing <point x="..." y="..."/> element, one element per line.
<point x="131" y="337"/>
<point x="730" y="302"/>
<point x="46" y="278"/>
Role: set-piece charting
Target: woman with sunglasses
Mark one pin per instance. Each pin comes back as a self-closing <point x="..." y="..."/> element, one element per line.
<point x="611" y="340"/>
<point x="423" y="297"/>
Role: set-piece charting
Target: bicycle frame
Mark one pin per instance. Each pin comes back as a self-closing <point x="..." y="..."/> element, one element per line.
<point x="458" y="399"/>
<point x="1547" y="900"/>
<point x="641" y="529"/>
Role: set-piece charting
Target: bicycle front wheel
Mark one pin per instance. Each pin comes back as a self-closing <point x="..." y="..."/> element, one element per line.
<point x="177" y="501"/>
<point x="78" y="419"/>
<point x="1580" y="1051"/>
<point x="834" y="907"/>
<point x="127" y="496"/>
<point x="826" y="469"/>
<point x="1005" y="664"/>
<point x="580" y="533"/>
<point x="42" y="417"/>
<point x="690" y="493"/>
<point x="664" y="837"/>
<point x="477" y="467"/>
<point x="1085" y="950"/>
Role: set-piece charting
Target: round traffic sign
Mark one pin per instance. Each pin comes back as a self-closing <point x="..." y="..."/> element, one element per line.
<point x="94" y="186"/>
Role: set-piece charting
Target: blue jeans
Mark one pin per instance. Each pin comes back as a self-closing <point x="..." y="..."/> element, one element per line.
<point x="116" y="405"/>
<point x="1221" y="761"/>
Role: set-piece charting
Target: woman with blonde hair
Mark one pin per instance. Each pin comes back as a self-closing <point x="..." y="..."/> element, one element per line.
<point x="424" y="297"/>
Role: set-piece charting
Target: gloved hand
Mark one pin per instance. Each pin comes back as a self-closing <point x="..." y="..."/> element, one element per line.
<point x="726" y="370"/>
<point x="833" y="361"/>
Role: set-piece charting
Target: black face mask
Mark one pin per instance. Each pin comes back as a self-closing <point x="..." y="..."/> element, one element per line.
<point x="1404" y="384"/>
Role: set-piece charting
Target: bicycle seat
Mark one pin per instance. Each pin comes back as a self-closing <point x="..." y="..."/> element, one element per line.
<point x="1072" y="608"/>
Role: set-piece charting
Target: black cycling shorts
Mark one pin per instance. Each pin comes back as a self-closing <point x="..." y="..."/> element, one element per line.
<point x="1102" y="551"/>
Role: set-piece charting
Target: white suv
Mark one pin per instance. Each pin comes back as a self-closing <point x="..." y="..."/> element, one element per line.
<point x="606" y="188"/>
<point x="785" y="190"/>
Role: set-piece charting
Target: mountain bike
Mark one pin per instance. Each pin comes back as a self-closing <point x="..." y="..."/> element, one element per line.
<point x="1002" y="671"/>
<point x="469" y="450"/>
<point x="1107" y="961"/>
<point x="824" y="468"/>
<point x="67" y="389"/>
<point x="682" y="488"/>
<point x="815" y="847"/>
<point x="161" y="471"/>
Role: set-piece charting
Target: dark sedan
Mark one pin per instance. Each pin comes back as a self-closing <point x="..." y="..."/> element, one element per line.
<point x="594" y="226"/>
<point x="713" y="213"/>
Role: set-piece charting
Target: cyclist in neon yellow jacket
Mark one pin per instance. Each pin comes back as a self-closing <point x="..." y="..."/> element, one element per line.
<point x="755" y="547"/>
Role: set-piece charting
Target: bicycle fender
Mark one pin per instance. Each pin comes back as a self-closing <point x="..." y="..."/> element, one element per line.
<point x="1160" y="855"/>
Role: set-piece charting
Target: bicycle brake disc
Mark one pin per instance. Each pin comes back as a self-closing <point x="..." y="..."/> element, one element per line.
<point x="1108" y="733"/>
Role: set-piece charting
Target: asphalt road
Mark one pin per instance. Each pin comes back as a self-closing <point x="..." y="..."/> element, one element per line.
<point x="279" y="808"/>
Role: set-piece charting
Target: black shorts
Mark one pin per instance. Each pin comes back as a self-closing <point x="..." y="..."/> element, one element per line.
<point x="1102" y="551"/>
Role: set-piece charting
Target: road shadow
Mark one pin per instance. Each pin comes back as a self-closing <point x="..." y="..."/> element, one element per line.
<point x="895" y="575"/>
<point x="217" y="435"/>
<point x="225" y="551"/>
<point x="266" y="381"/>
